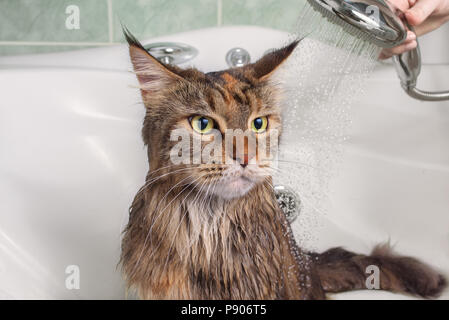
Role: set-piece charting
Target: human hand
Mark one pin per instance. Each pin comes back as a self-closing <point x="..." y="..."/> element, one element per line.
<point x="424" y="15"/>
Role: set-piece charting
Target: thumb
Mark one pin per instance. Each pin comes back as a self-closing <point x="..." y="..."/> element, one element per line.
<point x="420" y="11"/>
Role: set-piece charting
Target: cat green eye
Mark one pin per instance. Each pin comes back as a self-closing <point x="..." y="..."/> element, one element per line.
<point x="259" y="125"/>
<point x="202" y="124"/>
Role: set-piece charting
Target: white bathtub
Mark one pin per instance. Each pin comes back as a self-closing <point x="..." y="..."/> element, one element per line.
<point x="72" y="160"/>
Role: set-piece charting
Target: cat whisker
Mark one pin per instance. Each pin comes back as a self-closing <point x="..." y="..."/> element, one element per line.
<point x="161" y="168"/>
<point x="151" y="181"/>
<point x="289" y="173"/>
<point x="211" y="215"/>
<point x="206" y="196"/>
<point x="182" y="219"/>
<point x="154" y="221"/>
<point x="171" y="189"/>
<point x="179" y="183"/>
<point x="303" y="164"/>
<point x="305" y="199"/>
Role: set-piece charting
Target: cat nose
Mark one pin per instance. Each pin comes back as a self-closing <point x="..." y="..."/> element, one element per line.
<point x="243" y="160"/>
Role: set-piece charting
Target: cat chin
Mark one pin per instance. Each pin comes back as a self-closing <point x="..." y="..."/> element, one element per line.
<point x="234" y="189"/>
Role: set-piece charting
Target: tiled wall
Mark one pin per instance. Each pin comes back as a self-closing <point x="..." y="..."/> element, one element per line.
<point x="40" y="25"/>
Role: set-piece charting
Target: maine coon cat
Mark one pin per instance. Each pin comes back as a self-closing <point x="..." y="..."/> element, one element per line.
<point x="214" y="230"/>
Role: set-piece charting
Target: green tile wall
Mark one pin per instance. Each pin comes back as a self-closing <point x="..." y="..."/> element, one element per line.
<point x="277" y="14"/>
<point x="44" y="20"/>
<point x="147" y="18"/>
<point x="34" y="21"/>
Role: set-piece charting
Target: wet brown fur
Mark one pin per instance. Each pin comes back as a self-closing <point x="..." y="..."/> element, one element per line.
<point x="177" y="247"/>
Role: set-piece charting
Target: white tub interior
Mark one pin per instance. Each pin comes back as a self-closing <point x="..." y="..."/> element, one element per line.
<point x="72" y="160"/>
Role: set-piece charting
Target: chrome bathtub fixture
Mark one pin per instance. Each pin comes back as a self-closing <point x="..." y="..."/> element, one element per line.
<point x="377" y="22"/>
<point x="288" y="201"/>
<point x="171" y="52"/>
<point x="237" y="57"/>
<point x="408" y="67"/>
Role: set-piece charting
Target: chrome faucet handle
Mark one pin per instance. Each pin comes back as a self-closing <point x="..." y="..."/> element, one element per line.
<point x="237" y="57"/>
<point x="171" y="52"/>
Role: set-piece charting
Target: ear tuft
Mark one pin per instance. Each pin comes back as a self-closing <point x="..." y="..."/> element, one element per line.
<point x="152" y="74"/>
<point x="266" y="65"/>
<point x="132" y="41"/>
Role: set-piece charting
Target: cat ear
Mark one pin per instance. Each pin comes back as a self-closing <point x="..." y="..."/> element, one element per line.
<point x="152" y="74"/>
<point x="266" y="65"/>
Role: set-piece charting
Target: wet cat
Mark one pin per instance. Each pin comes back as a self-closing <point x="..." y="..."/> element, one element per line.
<point x="214" y="230"/>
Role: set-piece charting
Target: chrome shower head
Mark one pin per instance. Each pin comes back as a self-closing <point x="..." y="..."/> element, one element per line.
<point x="373" y="20"/>
<point x="377" y="21"/>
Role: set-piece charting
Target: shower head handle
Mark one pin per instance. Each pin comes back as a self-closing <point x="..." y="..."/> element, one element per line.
<point x="408" y="66"/>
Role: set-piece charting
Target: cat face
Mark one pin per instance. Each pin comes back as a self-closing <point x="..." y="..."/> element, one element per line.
<point x="217" y="132"/>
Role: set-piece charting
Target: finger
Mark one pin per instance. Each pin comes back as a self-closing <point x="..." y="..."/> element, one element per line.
<point x="420" y="11"/>
<point x="411" y="36"/>
<point x="384" y="56"/>
<point x="402" y="5"/>
<point x="404" y="47"/>
<point x="388" y="53"/>
<point x="430" y="25"/>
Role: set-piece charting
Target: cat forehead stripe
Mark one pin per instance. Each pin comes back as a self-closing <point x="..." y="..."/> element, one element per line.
<point x="230" y="80"/>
